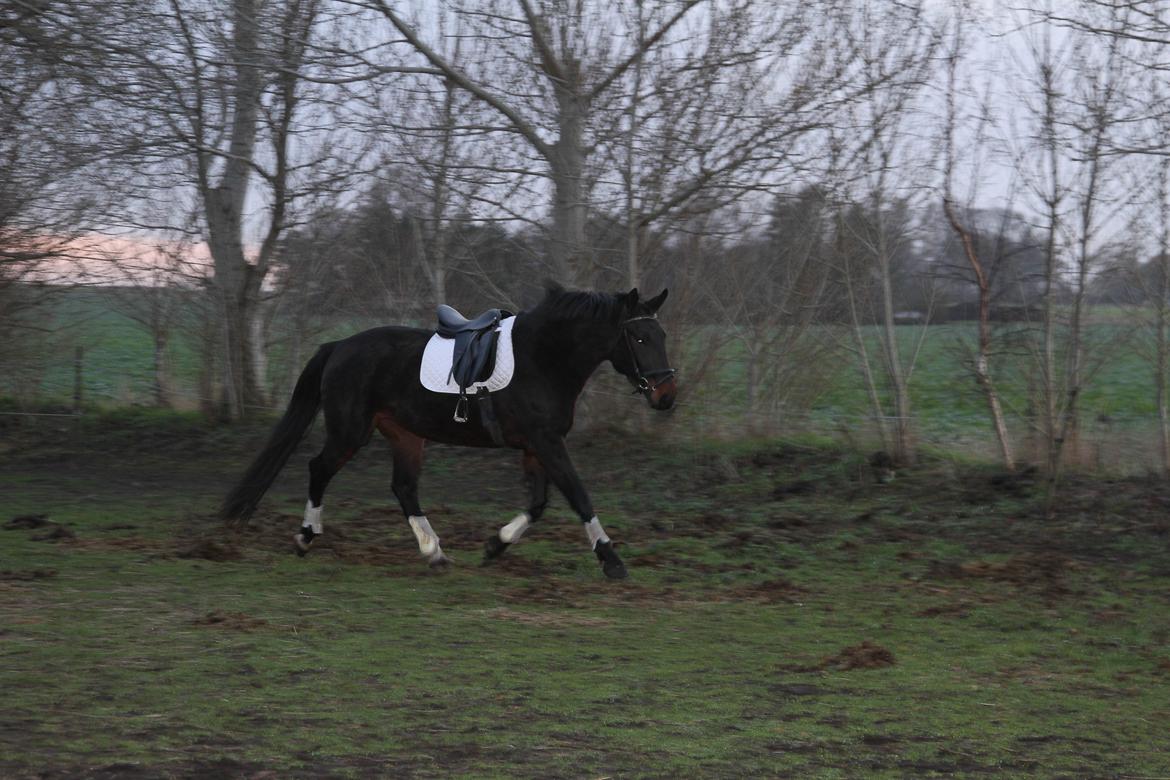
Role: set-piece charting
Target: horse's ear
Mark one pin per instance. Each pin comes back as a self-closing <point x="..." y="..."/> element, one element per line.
<point x="631" y="299"/>
<point x="655" y="303"/>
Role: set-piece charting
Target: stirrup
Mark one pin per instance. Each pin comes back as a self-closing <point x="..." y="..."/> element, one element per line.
<point x="461" y="409"/>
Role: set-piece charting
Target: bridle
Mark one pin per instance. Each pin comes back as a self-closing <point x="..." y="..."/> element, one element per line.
<point x="647" y="381"/>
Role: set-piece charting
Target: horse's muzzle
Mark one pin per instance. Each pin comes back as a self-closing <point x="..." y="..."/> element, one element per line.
<point x="661" y="396"/>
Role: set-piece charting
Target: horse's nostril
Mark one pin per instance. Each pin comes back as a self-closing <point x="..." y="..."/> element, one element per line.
<point x="662" y="397"/>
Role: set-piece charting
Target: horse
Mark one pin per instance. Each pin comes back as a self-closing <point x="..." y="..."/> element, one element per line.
<point x="372" y="381"/>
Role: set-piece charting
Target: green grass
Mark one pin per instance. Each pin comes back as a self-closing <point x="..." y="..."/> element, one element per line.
<point x="1019" y="646"/>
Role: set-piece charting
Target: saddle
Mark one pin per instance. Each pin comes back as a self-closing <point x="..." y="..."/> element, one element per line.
<point x="475" y="348"/>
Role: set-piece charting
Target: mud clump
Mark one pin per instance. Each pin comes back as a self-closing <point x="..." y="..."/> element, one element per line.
<point x="775" y="591"/>
<point x="26" y="522"/>
<point x="802" y="487"/>
<point x="58" y="533"/>
<point x="867" y="655"/>
<point x="232" y="621"/>
<point x="208" y="550"/>
<point x="27" y="575"/>
<point x="51" y="532"/>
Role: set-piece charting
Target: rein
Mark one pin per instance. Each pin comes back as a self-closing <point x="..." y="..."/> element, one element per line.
<point x="646" y="379"/>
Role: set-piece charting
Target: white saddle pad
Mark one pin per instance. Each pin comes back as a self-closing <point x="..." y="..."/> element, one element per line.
<point x="436" y="363"/>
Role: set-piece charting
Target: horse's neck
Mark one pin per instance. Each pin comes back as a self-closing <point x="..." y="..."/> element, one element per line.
<point x="575" y="348"/>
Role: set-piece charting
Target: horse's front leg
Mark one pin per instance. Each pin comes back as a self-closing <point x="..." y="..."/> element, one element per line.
<point x="537" y="479"/>
<point x="559" y="468"/>
<point x="408" y="452"/>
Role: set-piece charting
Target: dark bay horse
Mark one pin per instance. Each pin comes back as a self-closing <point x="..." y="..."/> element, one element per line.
<point x="372" y="381"/>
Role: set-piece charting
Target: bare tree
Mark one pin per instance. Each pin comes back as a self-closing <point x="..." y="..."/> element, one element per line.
<point x="677" y="106"/>
<point x="1075" y="106"/>
<point x="154" y="284"/>
<point x="545" y="82"/>
<point x="1161" y="301"/>
<point x="219" y="107"/>
<point x="53" y="142"/>
<point x="980" y="268"/>
<point x="775" y="297"/>
<point x="875" y="229"/>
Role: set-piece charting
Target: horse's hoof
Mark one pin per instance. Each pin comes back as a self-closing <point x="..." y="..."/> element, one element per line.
<point x="615" y="571"/>
<point x="611" y="562"/>
<point x="439" y="561"/>
<point x="301" y="545"/>
<point x="493" y="548"/>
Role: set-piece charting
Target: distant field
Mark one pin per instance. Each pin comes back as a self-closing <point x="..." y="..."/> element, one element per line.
<point x="1118" y="404"/>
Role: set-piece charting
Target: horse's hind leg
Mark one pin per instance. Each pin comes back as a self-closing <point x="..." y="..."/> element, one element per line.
<point x="343" y="438"/>
<point x="537" y="479"/>
<point x="408" y="453"/>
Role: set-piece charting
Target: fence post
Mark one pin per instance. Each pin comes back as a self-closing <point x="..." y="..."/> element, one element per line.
<point x="78" y="363"/>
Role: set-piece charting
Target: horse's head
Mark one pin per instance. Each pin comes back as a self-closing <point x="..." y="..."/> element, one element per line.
<point x="640" y="353"/>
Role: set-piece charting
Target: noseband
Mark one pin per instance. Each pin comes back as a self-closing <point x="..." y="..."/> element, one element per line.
<point x="647" y="380"/>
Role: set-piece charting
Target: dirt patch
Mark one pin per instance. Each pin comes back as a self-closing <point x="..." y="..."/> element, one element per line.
<point x="26" y="522"/>
<point x="774" y="591"/>
<point x="215" y="767"/>
<point x="953" y="609"/>
<point x="798" y="689"/>
<point x="801" y="487"/>
<point x="209" y="550"/>
<point x="544" y="589"/>
<point x="231" y="621"/>
<point x="1043" y="571"/>
<point x="545" y="619"/>
<point x="57" y="533"/>
<point x="27" y="575"/>
<point x="50" y="531"/>
<point x="867" y="655"/>
<point x="131" y="543"/>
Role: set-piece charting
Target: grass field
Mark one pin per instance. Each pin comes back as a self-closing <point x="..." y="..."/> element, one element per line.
<point x="786" y="616"/>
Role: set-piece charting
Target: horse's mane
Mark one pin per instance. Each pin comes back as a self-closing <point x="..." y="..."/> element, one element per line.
<point x="562" y="304"/>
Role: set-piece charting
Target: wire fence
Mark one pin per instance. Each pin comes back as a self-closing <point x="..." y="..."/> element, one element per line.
<point x="111" y="366"/>
<point x="1119" y="443"/>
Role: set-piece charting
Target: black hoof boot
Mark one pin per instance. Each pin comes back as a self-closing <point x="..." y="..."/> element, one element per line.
<point x="304" y="540"/>
<point x="611" y="563"/>
<point x="493" y="548"/>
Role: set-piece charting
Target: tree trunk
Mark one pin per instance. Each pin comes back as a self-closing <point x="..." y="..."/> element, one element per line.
<point x="161" y="398"/>
<point x="239" y="287"/>
<point x="239" y="303"/>
<point x="568" y="251"/>
<point x="903" y="433"/>
<point x="982" y="367"/>
<point x="1161" y="345"/>
<point x="1160" y="365"/>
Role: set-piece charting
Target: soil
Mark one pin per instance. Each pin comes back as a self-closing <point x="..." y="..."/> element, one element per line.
<point x="231" y="621"/>
<point x="867" y="655"/>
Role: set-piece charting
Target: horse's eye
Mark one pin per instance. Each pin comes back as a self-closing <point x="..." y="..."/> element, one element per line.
<point x="641" y="341"/>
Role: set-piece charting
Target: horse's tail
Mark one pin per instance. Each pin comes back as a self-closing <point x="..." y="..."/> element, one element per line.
<point x="302" y="409"/>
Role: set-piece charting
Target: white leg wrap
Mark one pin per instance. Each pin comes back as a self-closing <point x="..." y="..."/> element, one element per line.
<point x="595" y="532"/>
<point x="313" y="517"/>
<point x="428" y="540"/>
<point x="515" y="529"/>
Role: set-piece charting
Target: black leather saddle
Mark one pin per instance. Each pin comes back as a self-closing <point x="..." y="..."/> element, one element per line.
<point x="452" y="323"/>
<point x="475" y="343"/>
